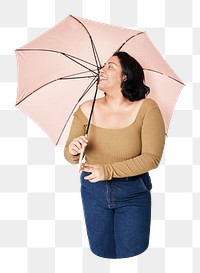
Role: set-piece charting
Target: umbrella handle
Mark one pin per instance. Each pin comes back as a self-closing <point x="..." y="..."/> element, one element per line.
<point x="82" y="154"/>
<point x="92" y="109"/>
<point x="81" y="159"/>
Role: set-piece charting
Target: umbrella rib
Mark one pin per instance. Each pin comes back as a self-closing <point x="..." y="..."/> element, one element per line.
<point x="96" y="56"/>
<point x="71" y="57"/>
<point x="148" y="69"/>
<point x="139" y="33"/>
<point x="175" y="80"/>
<point x="75" y="78"/>
<point x="78" y="59"/>
<point x="158" y="72"/>
<point x="83" y="72"/>
<point x="72" y="76"/>
<point x="88" y="88"/>
<point x="44" y="86"/>
<point x="84" y="93"/>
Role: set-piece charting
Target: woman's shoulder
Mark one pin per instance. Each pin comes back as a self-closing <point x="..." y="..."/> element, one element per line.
<point x="149" y="103"/>
<point x="86" y="107"/>
<point x="83" y="110"/>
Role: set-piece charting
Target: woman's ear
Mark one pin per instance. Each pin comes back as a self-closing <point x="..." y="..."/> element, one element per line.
<point x="124" y="78"/>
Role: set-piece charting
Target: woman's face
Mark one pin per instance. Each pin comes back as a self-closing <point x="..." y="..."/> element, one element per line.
<point x="110" y="77"/>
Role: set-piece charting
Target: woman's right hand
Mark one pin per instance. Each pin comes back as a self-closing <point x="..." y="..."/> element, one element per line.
<point x="77" y="144"/>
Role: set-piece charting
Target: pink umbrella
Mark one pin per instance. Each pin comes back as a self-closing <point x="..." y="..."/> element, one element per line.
<point x="60" y="68"/>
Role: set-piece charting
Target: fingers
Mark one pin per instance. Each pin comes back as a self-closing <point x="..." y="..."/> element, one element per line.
<point x="83" y="139"/>
<point x="87" y="167"/>
<point x="92" y="177"/>
<point x="77" y="144"/>
<point x="80" y="142"/>
<point x="96" y="172"/>
<point x="90" y="169"/>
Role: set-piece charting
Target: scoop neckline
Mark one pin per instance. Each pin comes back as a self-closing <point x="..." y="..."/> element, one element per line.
<point x="116" y="129"/>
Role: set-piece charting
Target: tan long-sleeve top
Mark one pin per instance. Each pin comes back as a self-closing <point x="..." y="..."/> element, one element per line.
<point x="123" y="152"/>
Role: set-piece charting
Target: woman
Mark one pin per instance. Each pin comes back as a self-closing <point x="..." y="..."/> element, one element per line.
<point x="125" y="141"/>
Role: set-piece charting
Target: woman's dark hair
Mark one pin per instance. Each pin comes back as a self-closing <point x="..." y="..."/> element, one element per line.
<point x="133" y="87"/>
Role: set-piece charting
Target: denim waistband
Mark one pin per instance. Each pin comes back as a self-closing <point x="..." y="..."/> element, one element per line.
<point x="144" y="176"/>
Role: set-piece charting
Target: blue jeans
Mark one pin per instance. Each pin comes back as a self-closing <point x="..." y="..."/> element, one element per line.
<point x="117" y="215"/>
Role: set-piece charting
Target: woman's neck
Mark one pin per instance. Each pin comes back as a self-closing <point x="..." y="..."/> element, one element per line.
<point x="116" y="102"/>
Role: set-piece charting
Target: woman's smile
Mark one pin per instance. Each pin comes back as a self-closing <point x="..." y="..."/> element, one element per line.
<point x="110" y="76"/>
<point x="102" y="78"/>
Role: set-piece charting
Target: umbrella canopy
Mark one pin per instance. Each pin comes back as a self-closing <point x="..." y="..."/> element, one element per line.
<point x="60" y="68"/>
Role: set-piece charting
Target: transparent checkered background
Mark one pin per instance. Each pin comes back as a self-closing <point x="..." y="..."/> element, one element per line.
<point x="42" y="228"/>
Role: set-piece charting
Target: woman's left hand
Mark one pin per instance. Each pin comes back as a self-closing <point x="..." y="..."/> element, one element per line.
<point x="97" y="172"/>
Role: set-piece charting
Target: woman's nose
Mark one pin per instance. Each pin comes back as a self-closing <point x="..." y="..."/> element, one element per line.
<point x="102" y="70"/>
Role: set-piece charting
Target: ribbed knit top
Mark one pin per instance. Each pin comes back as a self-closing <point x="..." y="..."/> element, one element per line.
<point x="123" y="152"/>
